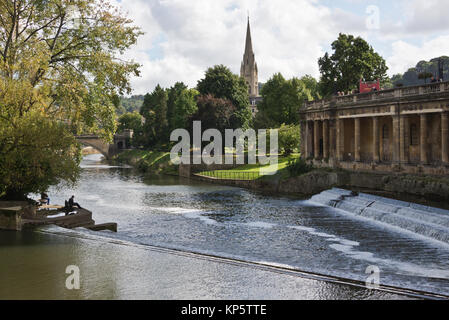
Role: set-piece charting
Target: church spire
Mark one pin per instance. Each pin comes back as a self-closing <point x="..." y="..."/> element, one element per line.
<point x="248" y="69"/>
<point x="249" y="43"/>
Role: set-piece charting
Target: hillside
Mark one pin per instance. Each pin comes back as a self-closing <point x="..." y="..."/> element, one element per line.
<point x="130" y="104"/>
<point x="410" y="77"/>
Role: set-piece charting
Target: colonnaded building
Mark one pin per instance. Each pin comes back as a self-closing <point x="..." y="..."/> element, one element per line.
<point x="398" y="130"/>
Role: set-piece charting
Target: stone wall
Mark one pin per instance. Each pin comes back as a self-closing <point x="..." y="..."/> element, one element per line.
<point x="11" y="218"/>
<point x="428" y="187"/>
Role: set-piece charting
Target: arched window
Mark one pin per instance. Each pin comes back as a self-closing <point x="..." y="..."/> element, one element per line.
<point x="385" y="133"/>
<point x="414" y="135"/>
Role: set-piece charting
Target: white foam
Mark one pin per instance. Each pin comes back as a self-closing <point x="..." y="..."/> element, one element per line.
<point x="260" y="224"/>
<point x="199" y="215"/>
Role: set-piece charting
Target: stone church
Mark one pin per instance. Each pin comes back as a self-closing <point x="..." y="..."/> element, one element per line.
<point x="250" y="72"/>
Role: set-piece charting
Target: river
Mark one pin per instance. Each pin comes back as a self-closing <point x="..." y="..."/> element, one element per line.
<point x="163" y="220"/>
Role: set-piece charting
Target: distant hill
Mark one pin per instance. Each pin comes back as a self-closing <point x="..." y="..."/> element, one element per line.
<point x="130" y="104"/>
<point x="411" y="77"/>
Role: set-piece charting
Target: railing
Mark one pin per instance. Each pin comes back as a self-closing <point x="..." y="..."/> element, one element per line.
<point x="433" y="88"/>
<point x="410" y="91"/>
<point x="384" y="94"/>
<point x="231" y="175"/>
<point x="345" y="99"/>
<point x="364" y="97"/>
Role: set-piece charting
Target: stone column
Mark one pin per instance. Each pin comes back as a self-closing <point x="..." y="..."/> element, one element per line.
<point x="357" y="139"/>
<point x="396" y="139"/>
<point x="403" y="139"/>
<point x="310" y="139"/>
<point x="338" y="140"/>
<point x="326" y="139"/>
<point x="341" y="136"/>
<point x="316" y="139"/>
<point x="305" y="139"/>
<point x="445" y="137"/>
<point x="376" y="151"/>
<point x="332" y="142"/>
<point x="423" y="139"/>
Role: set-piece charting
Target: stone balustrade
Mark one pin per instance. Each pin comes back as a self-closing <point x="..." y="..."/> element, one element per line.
<point x="379" y="95"/>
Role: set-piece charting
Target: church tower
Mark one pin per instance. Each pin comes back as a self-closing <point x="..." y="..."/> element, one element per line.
<point x="249" y="70"/>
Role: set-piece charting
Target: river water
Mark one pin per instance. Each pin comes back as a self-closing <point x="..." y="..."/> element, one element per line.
<point x="160" y="213"/>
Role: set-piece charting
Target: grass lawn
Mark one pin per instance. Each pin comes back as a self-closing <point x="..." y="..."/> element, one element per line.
<point x="253" y="171"/>
<point x="156" y="161"/>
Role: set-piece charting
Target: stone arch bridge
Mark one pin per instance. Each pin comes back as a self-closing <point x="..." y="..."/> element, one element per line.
<point x="121" y="142"/>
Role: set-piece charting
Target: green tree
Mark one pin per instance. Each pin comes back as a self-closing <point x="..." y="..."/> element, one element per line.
<point x="282" y="100"/>
<point x="185" y="107"/>
<point x="289" y="138"/>
<point x="154" y="110"/>
<point x="425" y="75"/>
<point x="214" y="113"/>
<point x="353" y="59"/>
<point x="173" y="96"/>
<point x="415" y="76"/>
<point x="220" y="82"/>
<point x="130" y="104"/>
<point x="132" y="121"/>
<point x="313" y="86"/>
<point x="59" y="74"/>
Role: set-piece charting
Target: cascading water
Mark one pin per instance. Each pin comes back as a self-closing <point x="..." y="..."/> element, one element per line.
<point x="426" y="221"/>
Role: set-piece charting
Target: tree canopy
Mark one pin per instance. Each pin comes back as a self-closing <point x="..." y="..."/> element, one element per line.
<point x="353" y="59"/>
<point x="154" y="110"/>
<point x="282" y="100"/>
<point x="165" y="110"/>
<point x="214" y="113"/>
<point x="60" y="73"/>
<point x="220" y="82"/>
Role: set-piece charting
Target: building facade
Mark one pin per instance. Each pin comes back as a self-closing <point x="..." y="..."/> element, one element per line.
<point x="250" y="72"/>
<point x="398" y="130"/>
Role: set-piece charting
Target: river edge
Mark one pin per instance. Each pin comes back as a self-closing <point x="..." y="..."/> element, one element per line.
<point x="426" y="190"/>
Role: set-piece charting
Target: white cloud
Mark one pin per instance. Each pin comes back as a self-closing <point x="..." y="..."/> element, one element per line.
<point x="427" y="16"/>
<point x="183" y="38"/>
<point x="202" y="33"/>
<point x="405" y="55"/>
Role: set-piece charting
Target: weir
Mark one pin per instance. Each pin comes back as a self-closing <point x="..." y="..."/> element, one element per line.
<point x="423" y="220"/>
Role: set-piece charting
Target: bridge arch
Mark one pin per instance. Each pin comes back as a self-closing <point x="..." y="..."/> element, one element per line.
<point x="96" y="143"/>
<point x="121" y="142"/>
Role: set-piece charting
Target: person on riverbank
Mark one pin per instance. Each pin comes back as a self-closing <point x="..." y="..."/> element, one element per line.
<point x="45" y="196"/>
<point x="72" y="203"/>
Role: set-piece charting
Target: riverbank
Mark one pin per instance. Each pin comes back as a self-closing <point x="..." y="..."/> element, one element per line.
<point x="429" y="190"/>
<point x="147" y="162"/>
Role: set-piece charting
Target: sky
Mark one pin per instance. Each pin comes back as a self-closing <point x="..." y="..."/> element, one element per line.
<point x="185" y="37"/>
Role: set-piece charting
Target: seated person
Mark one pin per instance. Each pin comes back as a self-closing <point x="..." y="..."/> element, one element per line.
<point x="44" y="198"/>
<point x="72" y="203"/>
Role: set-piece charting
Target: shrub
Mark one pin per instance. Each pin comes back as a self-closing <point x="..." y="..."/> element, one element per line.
<point x="297" y="167"/>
